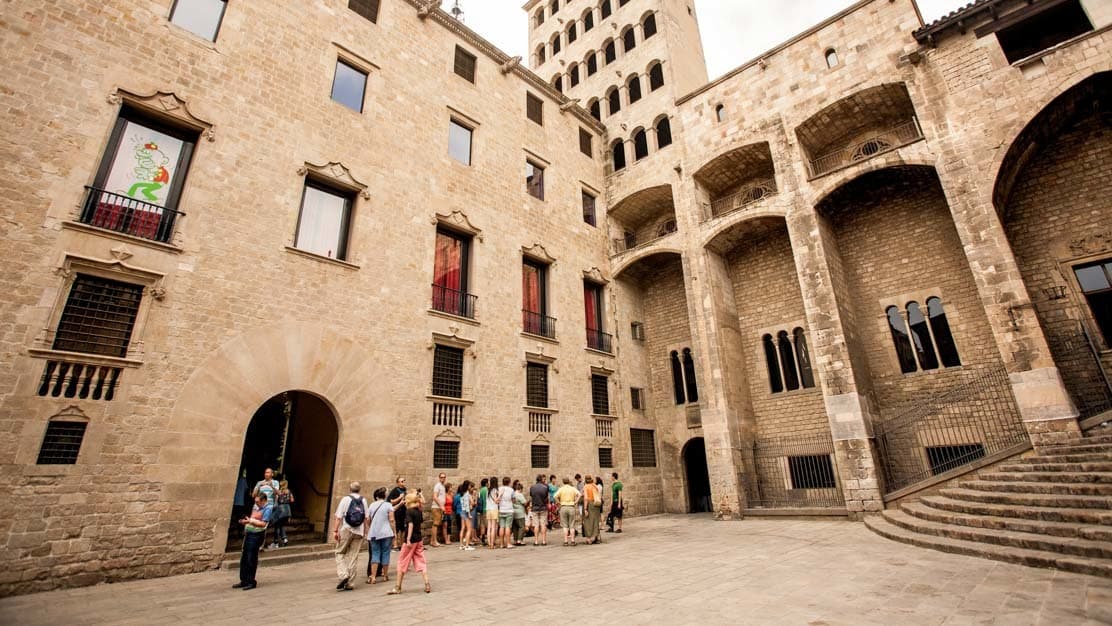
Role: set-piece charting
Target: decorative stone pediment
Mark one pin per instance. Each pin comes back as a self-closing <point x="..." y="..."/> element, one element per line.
<point x="458" y="220"/>
<point x="538" y="252"/>
<point x="601" y="369"/>
<point x="336" y="173"/>
<point x="538" y="357"/>
<point x="448" y="435"/>
<point x="452" y="341"/>
<point x="70" y="414"/>
<point x="541" y="439"/>
<point x="164" y="104"/>
<point x="596" y="275"/>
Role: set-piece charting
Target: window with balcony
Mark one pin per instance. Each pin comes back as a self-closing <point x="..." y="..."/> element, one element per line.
<point x="1095" y="280"/>
<point x="600" y="394"/>
<point x="536" y="385"/>
<point x="324" y="220"/>
<point x="534" y="306"/>
<point x="450" y="275"/>
<point x="200" y="17"/>
<point x="642" y="443"/>
<point x="366" y="8"/>
<point x="597" y="339"/>
<point x="349" y="86"/>
<point x="98" y="317"/>
<point x="534" y="180"/>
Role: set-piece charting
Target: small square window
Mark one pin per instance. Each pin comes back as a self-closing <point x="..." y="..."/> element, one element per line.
<point x="637" y="398"/>
<point x="586" y="143"/>
<point x="61" y="443"/>
<point x="589" y="209"/>
<point x="459" y="142"/>
<point x="445" y="454"/>
<point x="349" y="86"/>
<point x="366" y="8"/>
<point x="465" y="64"/>
<point x="538" y="455"/>
<point x="637" y="331"/>
<point x="534" y="180"/>
<point x="643" y="446"/>
<point x="200" y="17"/>
<point x="606" y="458"/>
<point x="322" y="225"/>
<point x="534" y="108"/>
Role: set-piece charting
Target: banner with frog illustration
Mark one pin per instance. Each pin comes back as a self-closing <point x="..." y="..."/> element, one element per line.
<point x="145" y="164"/>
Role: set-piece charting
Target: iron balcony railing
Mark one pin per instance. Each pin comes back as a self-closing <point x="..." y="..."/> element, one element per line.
<point x="795" y="471"/>
<point x="598" y="340"/>
<point x="538" y="324"/>
<point x="875" y="143"/>
<point x="453" y="302"/>
<point x="631" y="241"/>
<point x="121" y="214"/>
<point x="742" y="198"/>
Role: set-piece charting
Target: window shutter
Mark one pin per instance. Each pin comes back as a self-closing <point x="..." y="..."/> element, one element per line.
<point x="465" y="64"/>
<point x="534" y="109"/>
<point x="366" y="8"/>
<point x="585" y="143"/>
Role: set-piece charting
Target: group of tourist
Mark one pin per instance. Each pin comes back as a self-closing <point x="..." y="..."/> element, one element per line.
<point x="497" y="513"/>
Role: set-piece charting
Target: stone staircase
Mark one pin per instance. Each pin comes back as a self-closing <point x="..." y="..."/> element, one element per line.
<point x="1052" y="509"/>
<point x="304" y="544"/>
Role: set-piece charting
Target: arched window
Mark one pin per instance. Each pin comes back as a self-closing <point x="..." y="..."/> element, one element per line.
<point x="592" y="64"/>
<point x="558" y="83"/>
<point x="943" y="338"/>
<point x="663" y="133"/>
<point x="667" y="227"/>
<point x="775" y="383"/>
<point x="556" y="44"/>
<point x="787" y="360"/>
<point x="572" y="35"/>
<point x="629" y="40"/>
<point x="540" y="54"/>
<point x="595" y="107"/>
<point x="554" y="7"/>
<point x="588" y="20"/>
<point x="648" y="27"/>
<point x="803" y="358"/>
<point x="614" y="99"/>
<point x="539" y="17"/>
<point x="573" y="74"/>
<point x="634" y="87"/>
<point x="831" y="57"/>
<point x="921" y="337"/>
<point x="640" y="144"/>
<point x="656" y="77"/>
<point x="622" y="3"/>
<point x="900" y="339"/>
<point x="619" y="153"/>
<point x="610" y="51"/>
<point x="720" y="113"/>
<point x="677" y="378"/>
<point x="689" y="376"/>
<point x="605" y="9"/>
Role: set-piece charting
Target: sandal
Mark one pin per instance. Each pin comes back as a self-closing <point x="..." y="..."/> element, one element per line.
<point x="395" y="591"/>
<point x="428" y="588"/>
<point x="371" y="580"/>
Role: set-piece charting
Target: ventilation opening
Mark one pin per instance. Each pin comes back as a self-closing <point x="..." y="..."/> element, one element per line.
<point x="946" y="458"/>
<point x="814" y="471"/>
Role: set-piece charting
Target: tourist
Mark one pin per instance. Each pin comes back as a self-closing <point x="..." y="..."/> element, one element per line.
<point x="449" y="512"/>
<point x="553" y="511"/>
<point x="568" y="499"/>
<point x="505" y="514"/>
<point x="593" y="507"/>
<point x="350" y="530"/>
<point x="439" y="494"/>
<point x="601" y="505"/>
<point x="413" y="550"/>
<point x="282" y="513"/>
<point x="519" y="515"/>
<point x="617" y="505"/>
<point x="477" y="521"/>
<point x="538" y="511"/>
<point x="457" y="504"/>
<point x="481" y="507"/>
<point x="579" y="484"/>
<point x="490" y="506"/>
<point x="466" y="520"/>
<point x="396" y="498"/>
<point x="268" y="487"/>
<point x="379" y="537"/>
<point x="254" y="529"/>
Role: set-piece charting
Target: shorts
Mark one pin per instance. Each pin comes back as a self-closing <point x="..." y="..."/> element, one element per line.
<point x="437" y="517"/>
<point x="380" y="550"/>
<point x="567" y="516"/>
<point x="412" y="554"/>
<point x="492" y="516"/>
<point x="616" y="511"/>
<point x="539" y="518"/>
<point x="506" y="520"/>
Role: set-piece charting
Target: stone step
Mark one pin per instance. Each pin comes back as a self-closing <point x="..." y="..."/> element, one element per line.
<point x="929" y="513"/>
<point x="298" y="538"/>
<point x="1040" y="513"/>
<point x="1080" y="447"/>
<point x="1097" y="437"/>
<point x="1096" y="457"/>
<point x="1031" y="558"/>
<point x="1076" y="489"/>
<point x="1101" y="550"/>
<point x="1050" y="500"/>
<point x="283" y="556"/>
<point x="1046" y="465"/>
<point x="1049" y="477"/>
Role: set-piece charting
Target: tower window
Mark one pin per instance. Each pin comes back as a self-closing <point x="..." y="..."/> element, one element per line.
<point x="610" y="52"/>
<point x="586" y="143"/>
<point x="648" y="27"/>
<point x="588" y="21"/>
<point x="349" y="86"/>
<point x="831" y="58"/>
<point x="614" y="99"/>
<point x="534" y="108"/>
<point x="663" y="133"/>
<point x="720" y="113"/>
<point x="605" y="9"/>
<point x="596" y="109"/>
<point x="629" y="40"/>
<point x="656" y="77"/>
<point x="592" y="65"/>
<point x="634" y="87"/>
<point x="619" y="155"/>
<point x="640" y="145"/>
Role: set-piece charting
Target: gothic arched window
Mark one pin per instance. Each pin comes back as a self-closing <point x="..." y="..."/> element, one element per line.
<point x="900" y="339"/>
<point x="775" y="383"/>
<point x="677" y="378"/>
<point x="640" y="145"/>
<point x="943" y="338"/>
<point x="689" y="376"/>
<point x="634" y="87"/>
<point x="656" y="77"/>
<point x="663" y="133"/>
<point x="803" y="358"/>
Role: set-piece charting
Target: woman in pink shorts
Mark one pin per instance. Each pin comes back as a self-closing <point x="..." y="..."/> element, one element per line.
<point x="413" y="551"/>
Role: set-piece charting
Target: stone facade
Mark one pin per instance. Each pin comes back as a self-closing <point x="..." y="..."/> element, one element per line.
<point x="769" y="210"/>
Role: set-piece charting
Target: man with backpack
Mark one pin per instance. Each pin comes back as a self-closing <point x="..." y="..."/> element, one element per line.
<point x="351" y="529"/>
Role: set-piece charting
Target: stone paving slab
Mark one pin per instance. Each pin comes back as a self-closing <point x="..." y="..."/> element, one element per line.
<point x="679" y="569"/>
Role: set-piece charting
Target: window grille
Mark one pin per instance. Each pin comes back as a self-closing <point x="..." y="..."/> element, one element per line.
<point x="447" y="372"/>
<point x="643" y="447"/>
<point x="61" y="443"/>
<point x="445" y="454"/>
<point x="813" y="471"/>
<point x="366" y="8"/>
<point x="465" y="64"/>
<point x="637" y="398"/>
<point x="538" y="454"/>
<point x="536" y="385"/>
<point x="534" y="108"/>
<point x="600" y="394"/>
<point x="606" y="458"/>
<point x="99" y="316"/>
<point x="945" y="458"/>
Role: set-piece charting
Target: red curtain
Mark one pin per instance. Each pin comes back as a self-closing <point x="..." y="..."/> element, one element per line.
<point x="530" y="288"/>
<point x="448" y="264"/>
<point x="590" y="304"/>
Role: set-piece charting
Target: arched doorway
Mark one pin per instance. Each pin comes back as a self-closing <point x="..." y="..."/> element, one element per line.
<point x="698" y="478"/>
<point x="294" y="433"/>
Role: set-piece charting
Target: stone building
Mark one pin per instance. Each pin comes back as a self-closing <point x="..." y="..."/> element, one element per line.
<point x="240" y="235"/>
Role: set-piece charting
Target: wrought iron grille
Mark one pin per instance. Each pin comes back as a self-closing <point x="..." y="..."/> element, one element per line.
<point x="600" y="394"/>
<point x="79" y="380"/>
<point x="129" y="216"/>
<point x="792" y="472"/>
<point x="447" y="372"/>
<point x="876" y="143"/>
<point x="743" y="197"/>
<point x="536" y="385"/>
<point x="642" y="443"/>
<point x="537" y="324"/>
<point x="604" y="428"/>
<point x="606" y="458"/>
<point x="445" y="454"/>
<point x="538" y="455"/>
<point x="974" y="417"/>
<point x="1077" y="357"/>
<point x="98" y="317"/>
<point x="598" y="340"/>
<point x="62" y="443"/>
<point x="453" y="302"/>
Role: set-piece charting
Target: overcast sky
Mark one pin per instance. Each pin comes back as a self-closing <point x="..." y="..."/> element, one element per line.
<point x="734" y="31"/>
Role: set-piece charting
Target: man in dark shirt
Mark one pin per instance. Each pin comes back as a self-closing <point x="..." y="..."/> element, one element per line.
<point x="397" y="500"/>
<point x="538" y="511"/>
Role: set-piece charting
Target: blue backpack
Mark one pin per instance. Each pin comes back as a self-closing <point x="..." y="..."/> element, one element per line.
<point x="355" y="515"/>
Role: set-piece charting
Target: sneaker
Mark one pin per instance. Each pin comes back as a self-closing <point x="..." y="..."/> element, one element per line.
<point x="340" y="586"/>
<point x="249" y="586"/>
<point x="469" y="549"/>
<point x="239" y="585"/>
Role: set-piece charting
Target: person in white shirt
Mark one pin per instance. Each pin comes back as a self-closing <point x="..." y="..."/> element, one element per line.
<point x="438" y="495"/>
<point x="350" y="531"/>
<point x="505" y="499"/>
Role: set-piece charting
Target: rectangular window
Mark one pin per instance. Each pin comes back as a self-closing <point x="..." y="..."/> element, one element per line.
<point x="366" y="8"/>
<point x="606" y="458"/>
<point x="349" y="86"/>
<point x="534" y="108"/>
<point x="447" y="372"/>
<point x="642" y="444"/>
<point x="1095" y="280"/>
<point x="200" y="17"/>
<point x="637" y="331"/>
<point x="534" y="180"/>
<point x="813" y="471"/>
<point x="585" y="143"/>
<point x="450" y="274"/>
<point x="322" y="226"/>
<point x="592" y="305"/>
<point x="538" y="455"/>
<point x="589" y="209"/>
<point x="637" y="398"/>
<point x="534" y="300"/>
<point x="536" y="385"/>
<point x="99" y="316"/>
<point x="61" y="443"/>
<point x="946" y="458"/>
<point x="445" y="454"/>
<point x="459" y="142"/>
<point x="600" y="394"/>
<point x="465" y="64"/>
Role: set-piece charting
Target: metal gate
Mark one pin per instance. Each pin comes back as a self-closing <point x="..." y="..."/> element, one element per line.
<point x="792" y="472"/>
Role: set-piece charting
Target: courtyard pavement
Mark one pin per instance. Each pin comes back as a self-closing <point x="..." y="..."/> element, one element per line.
<point x="673" y="569"/>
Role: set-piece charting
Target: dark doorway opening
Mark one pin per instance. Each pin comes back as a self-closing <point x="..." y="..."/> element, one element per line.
<point x="698" y="478"/>
<point x="295" y="434"/>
